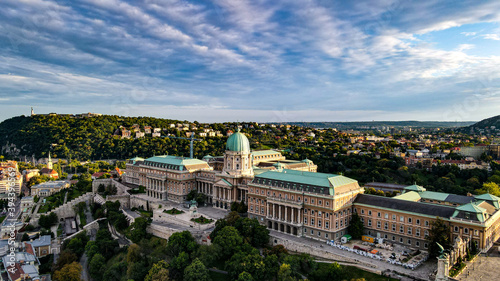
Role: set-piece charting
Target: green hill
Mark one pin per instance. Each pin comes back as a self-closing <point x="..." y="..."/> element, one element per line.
<point x="93" y="138"/>
<point x="487" y="123"/>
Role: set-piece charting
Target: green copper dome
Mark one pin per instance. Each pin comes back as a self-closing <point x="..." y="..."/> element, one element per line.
<point x="238" y="142"/>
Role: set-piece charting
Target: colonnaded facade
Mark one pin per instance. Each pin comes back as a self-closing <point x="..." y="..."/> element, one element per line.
<point x="291" y="197"/>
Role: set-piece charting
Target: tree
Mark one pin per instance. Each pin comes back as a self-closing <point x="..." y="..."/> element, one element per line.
<point x="70" y="272"/>
<point x="285" y="273"/>
<point x="66" y="257"/>
<point x="356" y="227"/>
<point x="76" y="246"/>
<point x="133" y="253"/>
<point x="105" y="243"/>
<point x="196" y="271"/>
<point x="181" y="242"/>
<point x="439" y="233"/>
<point x="490" y="187"/>
<point x="207" y="254"/>
<point x="138" y="231"/>
<point x="255" y="233"/>
<point x="91" y="249"/>
<point x="332" y="272"/>
<point x="137" y="270"/>
<point x="25" y="237"/>
<point x="178" y="265"/>
<point x="97" y="266"/>
<point x="245" y="276"/>
<point x="158" y="272"/>
<point x="228" y="241"/>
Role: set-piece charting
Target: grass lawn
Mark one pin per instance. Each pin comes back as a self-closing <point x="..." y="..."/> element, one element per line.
<point x="2" y="218"/>
<point x="202" y="220"/>
<point x="147" y="214"/>
<point x="216" y="276"/>
<point x="174" y="211"/>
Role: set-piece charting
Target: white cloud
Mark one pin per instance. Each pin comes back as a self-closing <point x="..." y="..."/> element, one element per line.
<point x="495" y="37"/>
<point x="468" y="33"/>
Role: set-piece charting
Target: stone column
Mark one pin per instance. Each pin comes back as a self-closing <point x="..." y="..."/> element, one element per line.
<point x="267" y="206"/>
<point x="286" y="213"/>
<point x="279" y="206"/>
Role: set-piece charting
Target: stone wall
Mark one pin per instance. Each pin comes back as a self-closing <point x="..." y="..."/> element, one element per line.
<point x="165" y="232"/>
<point x="124" y="200"/>
<point x="294" y="246"/>
<point x="97" y="182"/>
<point x="66" y="210"/>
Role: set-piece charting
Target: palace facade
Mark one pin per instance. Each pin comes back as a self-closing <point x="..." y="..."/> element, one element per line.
<point x="291" y="197"/>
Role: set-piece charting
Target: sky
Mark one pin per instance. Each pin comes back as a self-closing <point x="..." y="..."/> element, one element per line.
<point x="252" y="60"/>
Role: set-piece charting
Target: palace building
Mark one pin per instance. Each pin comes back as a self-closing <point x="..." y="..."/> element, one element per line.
<point x="291" y="197"/>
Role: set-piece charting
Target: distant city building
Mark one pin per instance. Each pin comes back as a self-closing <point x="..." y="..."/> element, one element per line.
<point x="10" y="178"/>
<point x="48" y="188"/>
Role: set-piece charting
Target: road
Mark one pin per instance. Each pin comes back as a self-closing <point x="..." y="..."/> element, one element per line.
<point x="84" y="262"/>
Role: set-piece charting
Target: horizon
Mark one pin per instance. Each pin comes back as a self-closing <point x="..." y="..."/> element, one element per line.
<point x="252" y="121"/>
<point x="252" y="60"/>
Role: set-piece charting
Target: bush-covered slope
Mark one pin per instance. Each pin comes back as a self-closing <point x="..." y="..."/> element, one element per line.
<point x="92" y="138"/>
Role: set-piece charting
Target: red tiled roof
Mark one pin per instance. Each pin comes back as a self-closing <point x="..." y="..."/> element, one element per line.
<point x="15" y="271"/>
<point x="29" y="248"/>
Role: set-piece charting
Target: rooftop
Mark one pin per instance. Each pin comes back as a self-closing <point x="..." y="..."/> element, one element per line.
<point x="406" y="206"/>
<point x="308" y="179"/>
<point x="264" y="152"/>
<point x="174" y="160"/>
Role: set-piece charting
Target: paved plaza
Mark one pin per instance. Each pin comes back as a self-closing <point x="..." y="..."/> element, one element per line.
<point x="484" y="268"/>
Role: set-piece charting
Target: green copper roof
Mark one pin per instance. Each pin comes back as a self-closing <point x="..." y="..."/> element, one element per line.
<point x="409" y="196"/>
<point x="238" y="142"/>
<point x="472" y="209"/>
<point x="432" y="195"/>
<point x="228" y="183"/>
<point x="487" y="197"/>
<point x="264" y="152"/>
<point x="490" y="198"/>
<point x="416" y="188"/>
<point x="308" y="178"/>
<point x="174" y="160"/>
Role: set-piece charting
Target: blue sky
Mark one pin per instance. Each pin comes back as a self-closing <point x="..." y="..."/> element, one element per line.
<point x="239" y="60"/>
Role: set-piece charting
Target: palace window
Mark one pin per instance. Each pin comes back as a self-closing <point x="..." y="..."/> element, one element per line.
<point x="369" y="222"/>
<point x="393" y="227"/>
<point x="369" y="213"/>
<point x="393" y="217"/>
<point x="386" y="216"/>
<point x="409" y="230"/>
<point x="312" y="222"/>
<point x="378" y="224"/>
<point x="401" y="219"/>
<point x="379" y="214"/>
<point x="386" y="225"/>
<point x="327" y="225"/>
<point x="319" y="223"/>
<point x="401" y="229"/>
<point x="418" y="222"/>
<point x="409" y="220"/>
<point x="417" y="231"/>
